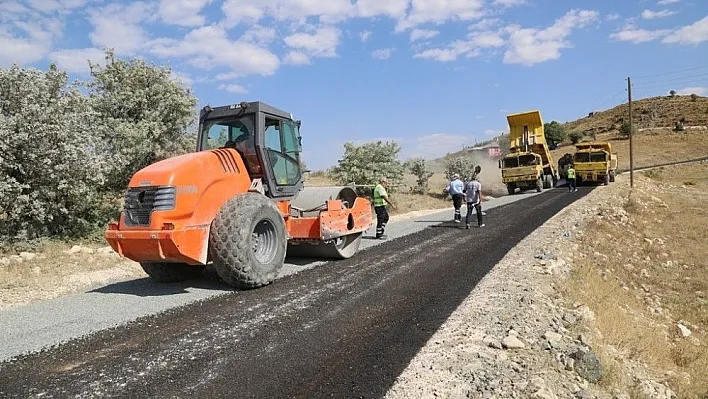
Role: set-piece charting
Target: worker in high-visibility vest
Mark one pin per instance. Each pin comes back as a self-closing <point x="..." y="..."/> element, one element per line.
<point x="380" y="200"/>
<point x="571" y="179"/>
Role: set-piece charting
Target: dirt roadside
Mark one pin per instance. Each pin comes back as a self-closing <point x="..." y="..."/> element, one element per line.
<point x="586" y="307"/>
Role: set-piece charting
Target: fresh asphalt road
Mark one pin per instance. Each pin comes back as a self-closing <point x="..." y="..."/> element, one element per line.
<point x="344" y="330"/>
<point x="30" y="328"/>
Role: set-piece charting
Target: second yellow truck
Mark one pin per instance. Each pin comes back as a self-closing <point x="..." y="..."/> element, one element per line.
<point x="595" y="162"/>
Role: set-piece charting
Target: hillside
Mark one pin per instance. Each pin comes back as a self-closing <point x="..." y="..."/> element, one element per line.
<point x="652" y="112"/>
<point x="658" y="114"/>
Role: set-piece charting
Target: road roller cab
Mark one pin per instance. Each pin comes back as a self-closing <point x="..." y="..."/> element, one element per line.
<point x="238" y="202"/>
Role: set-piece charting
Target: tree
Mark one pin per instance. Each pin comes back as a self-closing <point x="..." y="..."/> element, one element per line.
<point x="464" y="166"/>
<point x="554" y="132"/>
<point x="625" y="129"/>
<point x="144" y="114"/>
<point x="679" y="126"/>
<point x="417" y="166"/>
<point x="49" y="166"/>
<point x="366" y="163"/>
<point x="694" y="97"/>
<point x="672" y="93"/>
<point x="575" y="137"/>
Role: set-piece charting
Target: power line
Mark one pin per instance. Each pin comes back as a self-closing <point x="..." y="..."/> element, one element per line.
<point x="674" y="79"/>
<point x="672" y="84"/>
<point x="672" y="72"/>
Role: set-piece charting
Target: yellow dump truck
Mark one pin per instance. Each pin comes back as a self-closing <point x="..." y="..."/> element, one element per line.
<point x="595" y="162"/>
<point x="529" y="163"/>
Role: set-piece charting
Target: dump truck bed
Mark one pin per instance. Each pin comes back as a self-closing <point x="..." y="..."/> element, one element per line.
<point x="527" y="128"/>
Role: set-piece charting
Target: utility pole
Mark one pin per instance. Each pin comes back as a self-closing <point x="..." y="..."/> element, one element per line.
<point x="631" y="133"/>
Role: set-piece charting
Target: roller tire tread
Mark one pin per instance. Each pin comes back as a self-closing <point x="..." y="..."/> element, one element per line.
<point x="230" y="241"/>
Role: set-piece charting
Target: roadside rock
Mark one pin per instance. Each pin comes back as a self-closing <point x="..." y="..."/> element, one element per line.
<point x="554" y="339"/>
<point x="587" y="365"/>
<point x="655" y="390"/>
<point x="683" y="330"/>
<point x="512" y="342"/>
<point x="73" y="250"/>
<point x="27" y="255"/>
<point x="492" y="342"/>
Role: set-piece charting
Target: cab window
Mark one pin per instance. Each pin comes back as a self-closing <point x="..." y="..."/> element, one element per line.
<point x="282" y="144"/>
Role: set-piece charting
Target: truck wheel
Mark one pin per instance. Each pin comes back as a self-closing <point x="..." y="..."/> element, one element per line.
<point x="247" y="241"/>
<point x="606" y="180"/>
<point x="510" y="188"/>
<point x="171" y="272"/>
<point x="539" y="184"/>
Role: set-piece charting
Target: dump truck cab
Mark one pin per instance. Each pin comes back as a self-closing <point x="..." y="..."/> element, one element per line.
<point x="238" y="202"/>
<point x="529" y="163"/>
<point x="595" y="162"/>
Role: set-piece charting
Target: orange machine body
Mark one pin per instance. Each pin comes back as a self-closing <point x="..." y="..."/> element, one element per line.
<point x="187" y="191"/>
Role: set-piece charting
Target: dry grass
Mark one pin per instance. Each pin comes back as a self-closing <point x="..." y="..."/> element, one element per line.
<point x="652" y="148"/>
<point x="54" y="272"/>
<point x="647" y="113"/>
<point x="644" y="272"/>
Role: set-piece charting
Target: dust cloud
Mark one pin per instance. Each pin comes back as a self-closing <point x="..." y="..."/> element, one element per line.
<point x="490" y="177"/>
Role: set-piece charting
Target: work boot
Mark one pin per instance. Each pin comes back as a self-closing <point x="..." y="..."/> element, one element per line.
<point x="467" y="226"/>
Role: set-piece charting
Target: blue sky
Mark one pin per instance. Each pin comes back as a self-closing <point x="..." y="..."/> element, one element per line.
<point x="432" y="74"/>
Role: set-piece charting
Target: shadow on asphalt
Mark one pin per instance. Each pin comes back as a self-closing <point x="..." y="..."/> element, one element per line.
<point x="147" y="287"/>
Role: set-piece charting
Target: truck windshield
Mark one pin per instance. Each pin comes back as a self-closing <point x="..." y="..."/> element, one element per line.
<point x="598" y="156"/>
<point x="511" y="162"/>
<point x="582" y="157"/>
<point x="527" y="160"/>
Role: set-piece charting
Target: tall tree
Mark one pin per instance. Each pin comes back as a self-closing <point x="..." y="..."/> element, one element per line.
<point x="144" y="114"/>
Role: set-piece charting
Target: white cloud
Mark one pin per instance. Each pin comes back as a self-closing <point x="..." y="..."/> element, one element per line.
<point x="422" y="34"/>
<point x="118" y="26"/>
<point x="613" y="17"/>
<point x="699" y="91"/>
<point x="260" y="35"/>
<point x="210" y="47"/>
<point x="56" y="6"/>
<point x="510" y="3"/>
<point x="485" y="24"/>
<point x="21" y="50"/>
<point x="531" y="46"/>
<point x="365" y="35"/>
<point x="479" y="117"/>
<point x="649" y="14"/>
<point x="471" y="47"/>
<point x="27" y="35"/>
<point x="297" y="58"/>
<point x="248" y="11"/>
<point x="691" y="34"/>
<point x="184" y="78"/>
<point x="439" y="11"/>
<point x="322" y="42"/>
<point x="665" y="2"/>
<point x="233" y="88"/>
<point x="382" y="54"/>
<point x="182" y="12"/>
<point x="371" y="8"/>
<point x="631" y="33"/>
<point x="76" y="60"/>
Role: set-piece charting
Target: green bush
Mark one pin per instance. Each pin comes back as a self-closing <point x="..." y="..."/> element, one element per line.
<point x="464" y="166"/>
<point x="575" y="137"/>
<point x="418" y="167"/>
<point x="364" y="164"/>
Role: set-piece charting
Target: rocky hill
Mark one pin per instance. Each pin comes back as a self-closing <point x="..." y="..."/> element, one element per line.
<point x="652" y="112"/>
